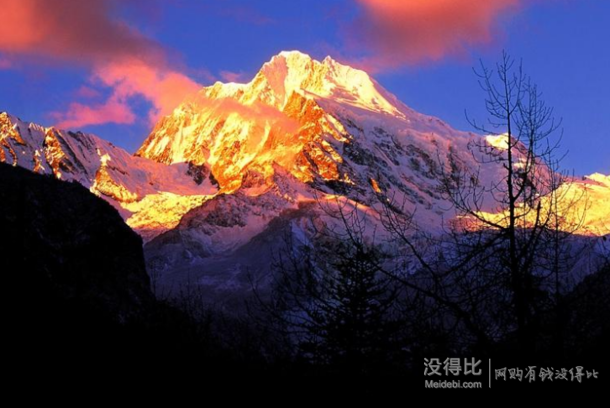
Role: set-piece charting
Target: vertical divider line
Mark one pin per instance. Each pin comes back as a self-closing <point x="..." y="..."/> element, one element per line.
<point x="490" y="373"/>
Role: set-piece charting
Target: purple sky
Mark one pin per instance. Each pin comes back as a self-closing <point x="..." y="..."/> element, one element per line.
<point x="83" y="63"/>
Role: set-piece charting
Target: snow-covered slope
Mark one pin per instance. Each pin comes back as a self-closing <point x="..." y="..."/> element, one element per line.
<point x="236" y="168"/>
<point x="300" y="133"/>
<point x="593" y="194"/>
<point x="152" y="197"/>
<point x="329" y="126"/>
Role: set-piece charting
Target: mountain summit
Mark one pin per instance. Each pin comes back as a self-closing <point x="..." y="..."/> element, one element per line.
<point x="303" y="115"/>
<point x="293" y="71"/>
<point x="237" y="167"/>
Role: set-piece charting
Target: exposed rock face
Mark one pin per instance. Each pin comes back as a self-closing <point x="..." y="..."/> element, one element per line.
<point x="306" y="116"/>
<point x="231" y="164"/>
<point x="137" y="187"/>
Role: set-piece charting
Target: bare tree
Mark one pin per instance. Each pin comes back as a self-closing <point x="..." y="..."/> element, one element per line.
<point x="507" y="254"/>
<point x="520" y="221"/>
<point x="498" y="270"/>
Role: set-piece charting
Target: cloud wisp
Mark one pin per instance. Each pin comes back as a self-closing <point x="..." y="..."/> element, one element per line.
<point x="409" y="32"/>
<point x="90" y="34"/>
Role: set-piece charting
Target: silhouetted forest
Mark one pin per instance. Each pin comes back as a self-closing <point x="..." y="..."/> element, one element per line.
<point x="79" y="299"/>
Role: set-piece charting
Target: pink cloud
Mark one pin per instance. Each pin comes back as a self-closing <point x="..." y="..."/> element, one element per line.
<point x="88" y="33"/>
<point x="78" y="115"/>
<point x="407" y="32"/>
<point x="165" y="89"/>
<point x="72" y="30"/>
<point x="86" y="92"/>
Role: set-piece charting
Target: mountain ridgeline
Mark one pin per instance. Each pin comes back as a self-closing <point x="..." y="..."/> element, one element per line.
<point x="306" y="222"/>
<point x="234" y="169"/>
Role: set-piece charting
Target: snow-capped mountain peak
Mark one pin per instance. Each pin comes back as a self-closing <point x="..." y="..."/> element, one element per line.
<point x="220" y="182"/>
<point x="301" y="130"/>
<point x="296" y="113"/>
<point x="294" y="71"/>
<point x="151" y="196"/>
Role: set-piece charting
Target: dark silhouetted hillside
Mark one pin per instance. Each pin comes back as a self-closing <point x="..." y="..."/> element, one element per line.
<point x="77" y="294"/>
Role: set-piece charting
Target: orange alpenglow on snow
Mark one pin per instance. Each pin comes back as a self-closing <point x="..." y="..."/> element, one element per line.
<point x="579" y="206"/>
<point x="276" y="118"/>
<point x="302" y="130"/>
